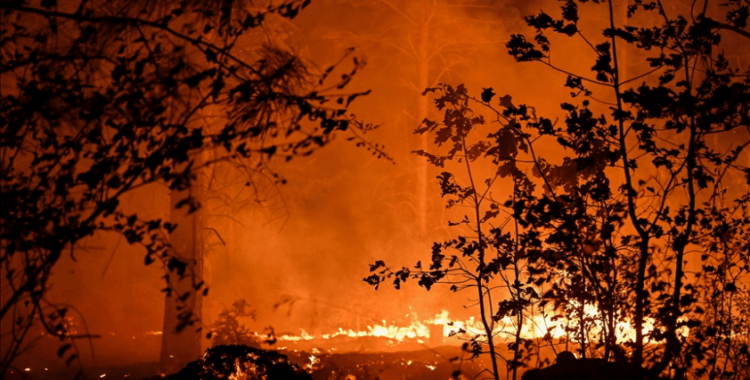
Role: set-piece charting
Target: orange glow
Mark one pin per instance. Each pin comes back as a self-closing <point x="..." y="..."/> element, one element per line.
<point x="295" y="238"/>
<point x="239" y="373"/>
<point x="456" y="331"/>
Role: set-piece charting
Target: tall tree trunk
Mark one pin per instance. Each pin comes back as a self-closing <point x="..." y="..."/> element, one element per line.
<point x="423" y="75"/>
<point x="180" y="347"/>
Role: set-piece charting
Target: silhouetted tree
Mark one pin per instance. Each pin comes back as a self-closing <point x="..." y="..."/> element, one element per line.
<point x="427" y="42"/>
<point x="637" y="218"/>
<point x="100" y="99"/>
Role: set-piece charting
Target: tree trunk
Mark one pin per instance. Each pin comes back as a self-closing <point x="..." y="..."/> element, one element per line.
<point x="423" y="73"/>
<point x="180" y="347"/>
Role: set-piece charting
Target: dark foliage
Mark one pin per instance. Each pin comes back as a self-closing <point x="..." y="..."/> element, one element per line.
<point x="241" y="362"/>
<point x="582" y="369"/>
<point x="641" y="219"/>
<point x="102" y="98"/>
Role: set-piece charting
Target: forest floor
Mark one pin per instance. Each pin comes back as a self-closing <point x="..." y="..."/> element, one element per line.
<point x="427" y="363"/>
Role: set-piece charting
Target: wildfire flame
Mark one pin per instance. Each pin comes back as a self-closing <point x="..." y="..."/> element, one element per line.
<point x="239" y="373"/>
<point x="534" y="327"/>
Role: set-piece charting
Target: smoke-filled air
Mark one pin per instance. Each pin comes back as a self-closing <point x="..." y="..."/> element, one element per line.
<point x="375" y="189"/>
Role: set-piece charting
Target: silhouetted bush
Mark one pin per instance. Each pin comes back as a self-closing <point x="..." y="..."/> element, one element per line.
<point x="227" y="329"/>
<point x="567" y="367"/>
<point x="241" y="362"/>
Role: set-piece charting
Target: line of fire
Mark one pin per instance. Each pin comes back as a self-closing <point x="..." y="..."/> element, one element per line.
<point x="375" y="189"/>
